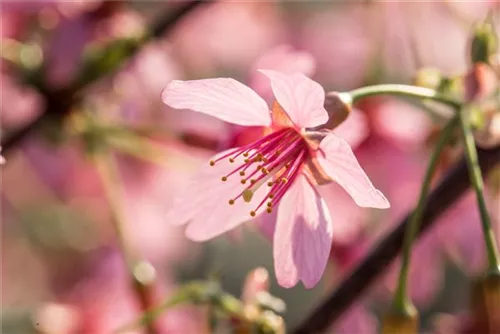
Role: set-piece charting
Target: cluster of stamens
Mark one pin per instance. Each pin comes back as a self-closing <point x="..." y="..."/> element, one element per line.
<point x="274" y="160"/>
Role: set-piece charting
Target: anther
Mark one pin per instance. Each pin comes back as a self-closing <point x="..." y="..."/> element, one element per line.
<point x="212" y="163"/>
<point x="231" y="160"/>
<point x="247" y="195"/>
<point x="252" y="181"/>
<point x="243" y="181"/>
<point x="252" y="213"/>
<point x="269" y="210"/>
<point x="245" y="154"/>
<point x="270" y="183"/>
<point x="271" y="196"/>
<point x="246" y="160"/>
<point x="224" y="178"/>
<point x="269" y="204"/>
<point x="284" y="180"/>
<point x="231" y="201"/>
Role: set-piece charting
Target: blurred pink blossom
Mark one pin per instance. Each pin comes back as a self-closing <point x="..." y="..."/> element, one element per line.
<point x="341" y="42"/>
<point x="285" y="155"/>
<point x="213" y="36"/>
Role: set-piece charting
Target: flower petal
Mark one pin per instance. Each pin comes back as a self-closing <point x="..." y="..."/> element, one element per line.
<point x="303" y="236"/>
<point x="224" y="98"/>
<point x="204" y="202"/>
<point x="302" y="98"/>
<point x="340" y="164"/>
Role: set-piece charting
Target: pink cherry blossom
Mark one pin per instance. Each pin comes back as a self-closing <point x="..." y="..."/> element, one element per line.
<point x="278" y="172"/>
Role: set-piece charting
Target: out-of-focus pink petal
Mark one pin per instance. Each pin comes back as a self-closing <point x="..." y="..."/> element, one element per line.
<point x="303" y="236"/>
<point x="354" y="129"/>
<point x="204" y="203"/>
<point x="224" y="98"/>
<point x="338" y="161"/>
<point x="284" y="59"/>
<point x="302" y="98"/>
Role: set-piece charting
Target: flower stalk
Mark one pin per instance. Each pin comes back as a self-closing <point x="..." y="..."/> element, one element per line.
<point x="403" y="90"/>
<point x="403" y="315"/>
<point x="478" y="186"/>
<point x="142" y="274"/>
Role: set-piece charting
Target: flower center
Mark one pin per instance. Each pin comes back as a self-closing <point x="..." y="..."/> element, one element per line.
<point x="274" y="160"/>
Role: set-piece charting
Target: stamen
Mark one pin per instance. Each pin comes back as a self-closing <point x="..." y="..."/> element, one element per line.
<point x="274" y="160"/>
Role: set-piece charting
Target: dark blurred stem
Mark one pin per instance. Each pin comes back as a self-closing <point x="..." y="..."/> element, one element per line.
<point x="478" y="186"/>
<point x="449" y="190"/>
<point x="402" y="90"/>
<point x="402" y="300"/>
<point x="58" y="104"/>
<point x="113" y="190"/>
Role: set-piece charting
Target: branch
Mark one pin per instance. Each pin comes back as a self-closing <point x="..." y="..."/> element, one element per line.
<point x="454" y="184"/>
<point x="58" y="104"/>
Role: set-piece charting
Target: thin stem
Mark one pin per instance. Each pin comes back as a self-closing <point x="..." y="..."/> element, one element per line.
<point x="403" y="90"/>
<point x="478" y="186"/>
<point x="402" y="299"/>
<point x="112" y="185"/>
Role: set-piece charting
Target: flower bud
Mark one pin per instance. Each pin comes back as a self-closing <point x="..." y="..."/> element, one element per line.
<point x="485" y="303"/>
<point x="401" y="321"/>
<point x="484" y="43"/>
<point x="339" y="106"/>
<point x="487" y="134"/>
<point x="428" y="77"/>
<point x="480" y="82"/>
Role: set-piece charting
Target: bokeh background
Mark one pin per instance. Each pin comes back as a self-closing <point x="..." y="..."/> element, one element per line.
<point x="63" y="270"/>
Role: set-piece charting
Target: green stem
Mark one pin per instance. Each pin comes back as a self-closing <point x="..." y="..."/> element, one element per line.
<point x="112" y="187"/>
<point x="403" y="90"/>
<point x="478" y="186"/>
<point x="401" y="300"/>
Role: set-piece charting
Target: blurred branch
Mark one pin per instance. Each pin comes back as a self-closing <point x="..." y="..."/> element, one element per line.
<point x="58" y="103"/>
<point x="454" y="184"/>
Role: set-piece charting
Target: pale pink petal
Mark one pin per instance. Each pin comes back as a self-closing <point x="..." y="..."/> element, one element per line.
<point x="302" y="98"/>
<point x="303" y="236"/>
<point x="224" y="98"/>
<point x="204" y="203"/>
<point x="338" y="161"/>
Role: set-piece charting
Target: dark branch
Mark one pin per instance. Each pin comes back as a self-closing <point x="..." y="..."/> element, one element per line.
<point x="454" y="184"/>
<point x="102" y="64"/>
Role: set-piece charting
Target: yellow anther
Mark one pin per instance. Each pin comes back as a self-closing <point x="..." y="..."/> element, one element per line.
<point x="247" y="195"/>
<point x="284" y="180"/>
<point x="242" y="173"/>
<point x="231" y="201"/>
<point x="252" y="213"/>
<point x="212" y="163"/>
<point x="224" y="178"/>
<point x="243" y="181"/>
<point x="269" y="210"/>
<point x="246" y="160"/>
<point x="231" y="160"/>
<point x="265" y="171"/>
